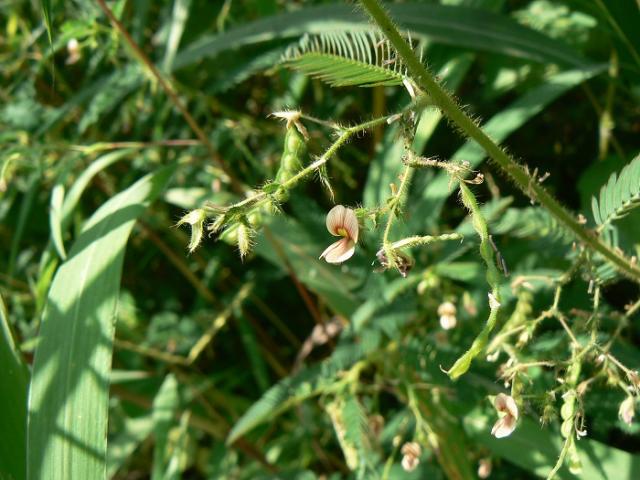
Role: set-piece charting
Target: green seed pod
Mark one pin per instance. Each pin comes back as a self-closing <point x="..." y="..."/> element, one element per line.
<point x="293" y="140"/>
<point x="290" y="163"/>
<point x="575" y="464"/>
<point x="255" y="218"/>
<point x="294" y="149"/>
<point x="567" y="428"/>
<point x="567" y="409"/>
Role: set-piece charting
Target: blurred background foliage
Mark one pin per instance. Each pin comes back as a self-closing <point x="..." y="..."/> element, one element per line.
<point x="200" y="338"/>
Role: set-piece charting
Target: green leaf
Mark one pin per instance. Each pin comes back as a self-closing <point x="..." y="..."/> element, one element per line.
<point x="14" y="378"/>
<point x="46" y="14"/>
<point x="179" y="18"/>
<point x="55" y="219"/>
<point x="619" y="195"/>
<point x="341" y="59"/>
<point x="536" y="449"/>
<point x="165" y="406"/>
<point x="453" y="25"/>
<point x="294" y="389"/>
<point x="128" y="438"/>
<point x="68" y="398"/>
<point x="384" y="169"/>
<point x="75" y="192"/>
<point x="286" y="393"/>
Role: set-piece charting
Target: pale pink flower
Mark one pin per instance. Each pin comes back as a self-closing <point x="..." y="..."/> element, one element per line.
<point x="341" y="222"/>
<point x="507" y="423"/>
<point x="484" y="468"/>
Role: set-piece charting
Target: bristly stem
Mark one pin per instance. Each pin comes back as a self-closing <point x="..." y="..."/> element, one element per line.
<point x="521" y="177"/>
<point x="345" y="134"/>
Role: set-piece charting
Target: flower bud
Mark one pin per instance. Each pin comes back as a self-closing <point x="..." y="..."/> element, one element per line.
<point x="626" y="412"/>
<point x="73" y="49"/>
<point x="447" y="312"/>
<point x="484" y="468"/>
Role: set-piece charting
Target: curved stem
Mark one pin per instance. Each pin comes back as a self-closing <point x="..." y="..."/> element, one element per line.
<point x="520" y="175"/>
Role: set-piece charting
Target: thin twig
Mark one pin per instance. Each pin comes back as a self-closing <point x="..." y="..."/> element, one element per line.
<point x="170" y="91"/>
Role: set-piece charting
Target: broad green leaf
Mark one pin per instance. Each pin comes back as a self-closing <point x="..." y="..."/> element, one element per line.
<point x="536" y="449"/>
<point x="68" y="398"/>
<point x="385" y="167"/>
<point x="14" y="378"/>
<point x="453" y="25"/>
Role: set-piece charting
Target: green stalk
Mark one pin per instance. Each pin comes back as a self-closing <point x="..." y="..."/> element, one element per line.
<point x="521" y="177"/>
<point x="493" y="279"/>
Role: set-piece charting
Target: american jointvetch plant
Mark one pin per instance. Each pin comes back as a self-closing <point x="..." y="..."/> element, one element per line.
<point x="396" y="312"/>
<point x="383" y="58"/>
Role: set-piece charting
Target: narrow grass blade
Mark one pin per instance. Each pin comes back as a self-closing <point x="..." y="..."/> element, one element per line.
<point x="456" y="25"/>
<point x="55" y="219"/>
<point x="165" y="406"/>
<point x="68" y="399"/>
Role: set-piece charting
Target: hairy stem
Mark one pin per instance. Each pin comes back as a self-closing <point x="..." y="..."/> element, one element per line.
<point x="521" y="177"/>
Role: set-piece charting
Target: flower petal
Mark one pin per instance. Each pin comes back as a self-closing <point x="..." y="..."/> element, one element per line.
<point x="350" y="224"/>
<point x="335" y="219"/>
<point x="506" y="403"/>
<point x="339" y="251"/>
<point x="504" y="427"/>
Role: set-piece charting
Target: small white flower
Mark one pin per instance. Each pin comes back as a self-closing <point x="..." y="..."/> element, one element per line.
<point x="447" y="312"/>
<point x="292" y="117"/>
<point x="341" y="222"/>
<point x="626" y="412"/>
<point x="410" y="455"/>
<point x="507" y="423"/>
<point x="73" y="49"/>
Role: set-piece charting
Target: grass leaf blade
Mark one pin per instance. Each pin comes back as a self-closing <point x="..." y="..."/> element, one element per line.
<point x="68" y="399"/>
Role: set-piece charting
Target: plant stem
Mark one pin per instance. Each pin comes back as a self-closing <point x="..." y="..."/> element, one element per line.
<point x="520" y="175"/>
<point x="344" y="137"/>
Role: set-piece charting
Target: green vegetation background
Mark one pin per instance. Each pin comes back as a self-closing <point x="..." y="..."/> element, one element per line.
<point x="95" y="156"/>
